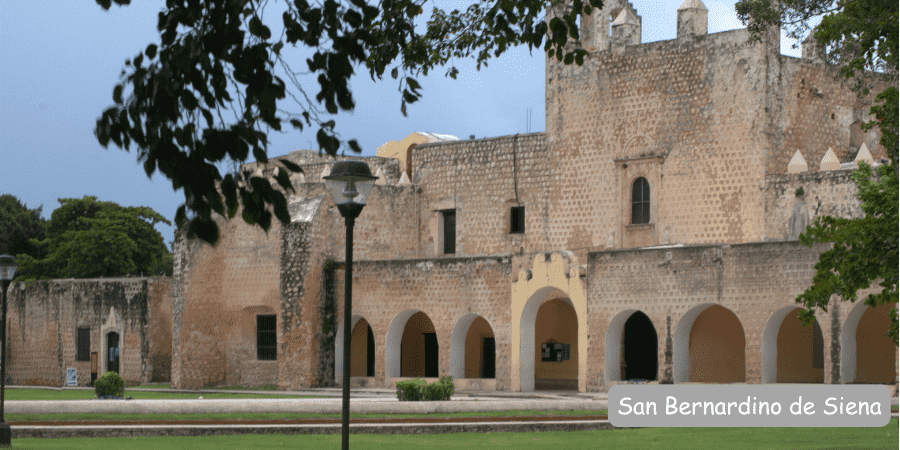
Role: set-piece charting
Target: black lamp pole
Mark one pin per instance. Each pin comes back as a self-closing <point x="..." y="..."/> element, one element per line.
<point x="5" y="431"/>
<point x="350" y="211"/>
<point x="350" y="183"/>
<point x="7" y="271"/>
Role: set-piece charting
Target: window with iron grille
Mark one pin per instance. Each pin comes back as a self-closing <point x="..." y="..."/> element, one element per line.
<point x="449" y="231"/>
<point x="517" y="219"/>
<point x="265" y="337"/>
<point x="83" y="342"/>
<point x="640" y="201"/>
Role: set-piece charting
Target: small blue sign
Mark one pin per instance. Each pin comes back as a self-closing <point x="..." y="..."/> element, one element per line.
<point x="71" y="377"/>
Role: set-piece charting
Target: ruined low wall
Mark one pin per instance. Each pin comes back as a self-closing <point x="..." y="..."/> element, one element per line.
<point x="44" y="317"/>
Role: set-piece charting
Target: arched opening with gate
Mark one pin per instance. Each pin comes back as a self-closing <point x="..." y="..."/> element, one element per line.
<point x="472" y="348"/>
<point x="419" y="347"/>
<point x="792" y="352"/>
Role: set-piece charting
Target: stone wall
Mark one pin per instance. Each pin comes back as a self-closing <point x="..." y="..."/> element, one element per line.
<point x="387" y="293"/>
<point x="754" y="281"/>
<point x="44" y="317"/>
<point x="830" y="193"/>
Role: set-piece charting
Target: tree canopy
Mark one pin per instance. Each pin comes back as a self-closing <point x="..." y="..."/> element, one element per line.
<point x="219" y="80"/>
<point x="18" y="226"/>
<point x="89" y="239"/>
<point x="861" y="36"/>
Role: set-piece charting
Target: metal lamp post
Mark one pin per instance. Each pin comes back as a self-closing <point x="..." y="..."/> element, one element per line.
<point x="8" y="268"/>
<point x="350" y="183"/>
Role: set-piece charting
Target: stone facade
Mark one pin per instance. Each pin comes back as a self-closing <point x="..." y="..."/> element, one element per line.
<point x="45" y="316"/>
<point x="660" y="187"/>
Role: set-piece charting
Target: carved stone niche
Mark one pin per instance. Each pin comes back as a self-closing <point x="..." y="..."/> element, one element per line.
<point x="638" y="230"/>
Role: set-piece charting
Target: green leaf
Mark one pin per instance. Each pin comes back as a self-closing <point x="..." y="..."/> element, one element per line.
<point x="151" y="51"/>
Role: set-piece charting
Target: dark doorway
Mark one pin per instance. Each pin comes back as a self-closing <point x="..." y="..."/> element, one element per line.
<point x="640" y="349"/>
<point x="431" y="355"/>
<point x="488" y="353"/>
<point x="370" y="354"/>
<point x="112" y="344"/>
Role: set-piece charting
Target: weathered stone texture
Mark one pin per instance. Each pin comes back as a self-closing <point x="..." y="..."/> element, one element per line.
<point x="44" y="317"/>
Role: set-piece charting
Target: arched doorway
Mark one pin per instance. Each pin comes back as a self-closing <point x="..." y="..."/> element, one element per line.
<point x="419" y="348"/>
<point x="556" y="346"/>
<point x="868" y="356"/>
<point x="801" y="351"/>
<point x="362" y="350"/>
<point x="792" y="352"/>
<point x="113" y="356"/>
<point x="640" y="346"/>
<point x="554" y="275"/>
<point x="472" y="348"/>
<point x="631" y="347"/>
<point x="709" y="346"/>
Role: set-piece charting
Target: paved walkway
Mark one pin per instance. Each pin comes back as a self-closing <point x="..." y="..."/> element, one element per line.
<point x="327" y="401"/>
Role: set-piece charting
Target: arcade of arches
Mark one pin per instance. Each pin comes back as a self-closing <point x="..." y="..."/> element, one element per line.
<point x="716" y="345"/>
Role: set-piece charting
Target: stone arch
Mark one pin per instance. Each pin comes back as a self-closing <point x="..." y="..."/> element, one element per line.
<point x="788" y="349"/>
<point x="394" y="343"/>
<point x="867" y="356"/>
<point x="702" y="348"/>
<point x="615" y="340"/>
<point x="462" y="346"/>
<point x="554" y="274"/>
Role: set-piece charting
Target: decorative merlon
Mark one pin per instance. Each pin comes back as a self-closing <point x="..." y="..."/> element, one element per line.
<point x="829" y="161"/>
<point x="626" y="29"/>
<point x="380" y="174"/>
<point x="404" y="180"/>
<point x="811" y="49"/>
<point x="797" y="164"/>
<point x="692" y="19"/>
<point x="325" y="172"/>
<point x="864" y="155"/>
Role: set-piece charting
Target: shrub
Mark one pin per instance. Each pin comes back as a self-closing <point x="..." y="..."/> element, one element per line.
<point x="410" y="390"/>
<point x="109" y="385"/>
<point x="417" y="390"/>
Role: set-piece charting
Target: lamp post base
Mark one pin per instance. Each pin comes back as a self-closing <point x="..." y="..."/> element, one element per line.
<point x="5" y="434"/>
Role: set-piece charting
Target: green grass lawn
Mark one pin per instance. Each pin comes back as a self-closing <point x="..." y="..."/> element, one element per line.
<point x="644" y="438"/>
<point x="278" y="416"/>
<point x="83" y="394"/>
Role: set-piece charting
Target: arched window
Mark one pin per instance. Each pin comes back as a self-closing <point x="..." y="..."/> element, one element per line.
<point x="640" y="201"/>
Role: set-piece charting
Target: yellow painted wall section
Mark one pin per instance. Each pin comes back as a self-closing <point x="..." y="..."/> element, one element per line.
<point x="795" y="352"/>
<point x="359" y="340"/>
<point x="556" y="320"/>
<point x="717" y="347"/>
<point x="413" y="346"/>
<point x="479" y="330"/>
<point x="876" y="355"/>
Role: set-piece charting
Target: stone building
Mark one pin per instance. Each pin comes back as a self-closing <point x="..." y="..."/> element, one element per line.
<point x="89" y="326"/>
<point x="649" y="234"/>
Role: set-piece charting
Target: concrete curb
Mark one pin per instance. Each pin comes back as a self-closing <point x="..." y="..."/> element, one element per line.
<point x="19" y="432"/>
<point x="288" y="405"/>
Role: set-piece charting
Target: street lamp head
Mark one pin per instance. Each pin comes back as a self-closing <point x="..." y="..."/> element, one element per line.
<point x="8" y="267"/>
<point x="350" y="182"/>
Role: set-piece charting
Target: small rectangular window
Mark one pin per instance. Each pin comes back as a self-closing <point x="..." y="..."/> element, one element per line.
<point x="449" y="231"/>
<point x="265" y="338"/>
<point x="517" y="219"/>
<point x="83" y="342"/>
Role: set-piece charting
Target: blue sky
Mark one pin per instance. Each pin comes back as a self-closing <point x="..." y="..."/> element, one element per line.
<point x="59" y="61"/>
